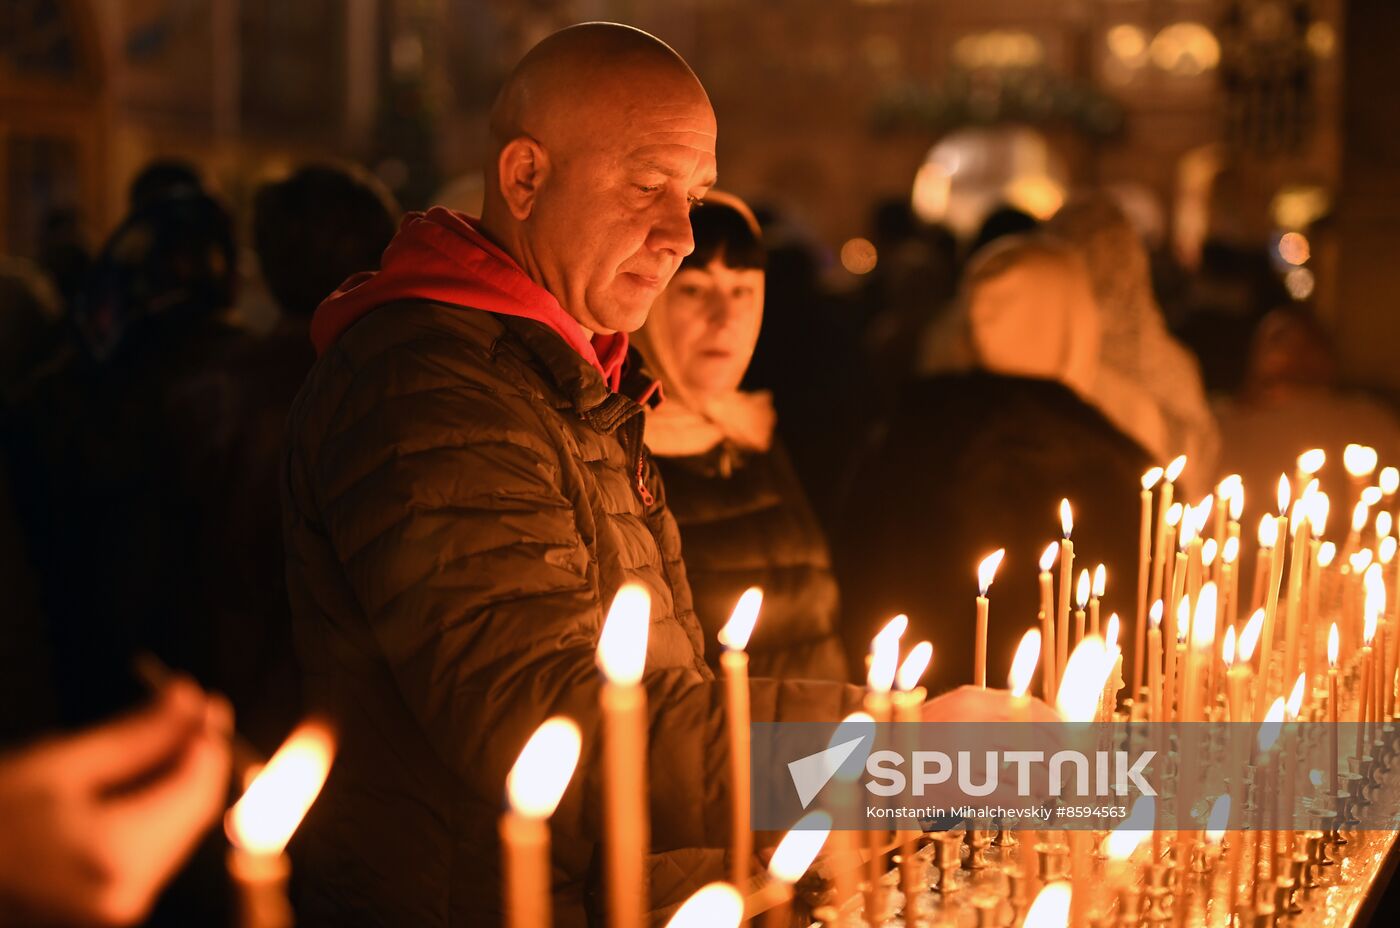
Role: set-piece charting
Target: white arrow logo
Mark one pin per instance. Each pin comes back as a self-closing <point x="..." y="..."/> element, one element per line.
<point x="811" y="773"/>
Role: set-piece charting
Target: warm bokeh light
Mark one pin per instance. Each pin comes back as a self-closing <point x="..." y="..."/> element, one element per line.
<point x="1294" y="248"/>
<point x="1227" y="649"/>
<point x="1174" y="512"/>
<point x="1294" y="706"/>
<point x="1334" y="642"/>
<point x="1236" y="508"/>
<point x="1081" y="589"/>
<point x="717" y="905"/>
<point x="1051" y="907"/>
<point x="884" y="650"/>
<point x="1208" y="552"/>
<point x="542" y="772"/>
<point x="736" y="632"/>
<point x="1218" y="820"/>
<point x="1100" y="580"/>
<point x="1371" y="495"/>
<point x="911" y="671"/>
<point x="1066" y="518"/>
<point x="1175" y="468"/>
<point x="1318" y="509"/>
<point x="1048" y="556"/>
<point x="1271" y="727"/>
<point x="1185" y="49"/>
<point x="1359" y="460"/>
<point x="799" y="847"/>
<point x="1152" y="477"/>
<point x="1389" y="480"/>
<point x="1183" y="618"/>
<point x="1268" y="531"/>
<point x="1231" y="554"/>
<point x="1386" y="552"/>
<point x="1024" y="663"/>
<point x="1123" y="841"/>
<point x="622" y="645"/>
<point x="1360" y="515"/>
<point x="1375" y="601"/>
<point x="1154" y="614"/>
<point x="987" y="570"/>
<point x="1249" y="638"/>
<point x="1110" y="632"/>
<point x="1310" y="462"/>
<point x="1385" y="522"/>
<point x="1326" y="552"/>
<point x="1081" y="685"/>
<point x="1203" y="628"/>
<point x="1360" y="560"/>
<point x="275" y="802"/>
<point x="858" y="255"/>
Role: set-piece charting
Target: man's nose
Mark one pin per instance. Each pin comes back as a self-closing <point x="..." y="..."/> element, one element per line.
<point x="672" y="229"/>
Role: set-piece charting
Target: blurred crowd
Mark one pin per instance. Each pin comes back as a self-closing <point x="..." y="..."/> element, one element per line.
<point x="854" y="448"/>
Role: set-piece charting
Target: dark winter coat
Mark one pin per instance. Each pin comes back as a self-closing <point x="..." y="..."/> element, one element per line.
<point x="745" y="522"/>
<point x="463" y="497"/>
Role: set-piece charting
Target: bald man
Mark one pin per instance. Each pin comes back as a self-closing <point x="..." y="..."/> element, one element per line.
<point x="466" y="489"/>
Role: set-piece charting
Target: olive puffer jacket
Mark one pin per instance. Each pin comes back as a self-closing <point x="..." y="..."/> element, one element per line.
<point x="745" y="522"/>
<point x="463" y="495"/>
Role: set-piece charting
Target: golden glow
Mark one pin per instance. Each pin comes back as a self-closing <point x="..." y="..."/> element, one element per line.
<point x="1154" y="615"/>
<point x="622" y="645"/>
<point x="1051" y="907"/>
<point x="1185" y="49"/>
<point x="1325" y="553"/>
<point x="1232" y="550"/>
<point x="736" y="632"/>
<point x="1360" y="560"/>
<point x="1066" y="518"/>
<point x="542" y="772"/>
<point x="1249" y="638"/>
<point x="1100" y="579"/>
<point x="1237" y="503"/>
<point x="1127" y="43"/>
<point x="1208" y="552"/>
<point x="884" y="650"/>
<point x="1295" y="696"/>
<point x="1359" y="460"/>
<point x="1333" y="645"/>
<point x="1227" y="650"/>
<point x="799" y="847"/>
<point x="1271" y="727"/>
<point x="998" y="48"/>
<point x="1386" y="552"/>
<point x="1174" y="514"/>
<point x="1318" y="511"/>
<point x="1389" y="480"/>
<point x="1203" y="512"/>
<point x="1371" y="495"/>
<point x="1385" y="522"/>
<point x="277" y="799"/>
<point x="1047" y="558"/>
<point x="987" y="570"/>
<point x="1183" y="619"/>
<point x="1375" y="600"/>
<point x="1037" y="194"/>
<point x="1110" y="633"/>
<point x="1294" y="248"/>
<point x="1203" y="629"/>
<point x="1268" y="531"/>
<point x="1024" y="663"/>
<point x="1187" y="533"/>
<point x="1310" y="462"/>
<point x="1152" y="477"/>
<point x="1360" y="515"/>
<point x="1081" y="590"/>
<point x="858" y="255"/>
<point x="1219" y="818"/>
<point x="914" y="665"/>
<point x="717" y="905"/>
<point x="1082" y="682"/>
<point x="1175" y="468"/>
<point x="1300" y="283"/>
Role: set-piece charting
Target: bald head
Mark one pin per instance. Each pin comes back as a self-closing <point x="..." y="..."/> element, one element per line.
<point x="602" y="138"/>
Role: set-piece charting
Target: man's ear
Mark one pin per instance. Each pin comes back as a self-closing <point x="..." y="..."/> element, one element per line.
<point x="522" y="168"/>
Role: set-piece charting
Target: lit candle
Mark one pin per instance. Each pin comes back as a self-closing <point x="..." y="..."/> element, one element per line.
<point x="1176" y="663"/>
<point x="1275" y="575"/>
<point x="1123" y="842"/>
<point x="1048" y="678"/>
<point x="1283" y="845"/>
<point x="1321" y="554"/>
<point x="843" y="798"/>
<point x="1066" y="578"/>
<point x="1333" y="646"/>
<point x="1389" y="482"/>
<point x="717" y="905"/>
<point x="622" y="652"/>
<point x="1095" y="596"/>
<point x="1081" y="599"/>
<point x="1269" y="731"/>
<point x="735" y="664"/>
<point x="884" y="664"/>
<point x="534" y="787"/>
<point x="1162" y="548"/>
<point x="1216" y="823"/>
<point x="1081" y="690"/>
<point x="1115" y="676"/>
<point x="1303" y="511"/>
<point x="1154" y="662"/>
<point x="792" y="858"/>
<point x="1359" y="461"/>
<point x="1268" y="536"/>
<point x="1360" y="515"/>
<point x="1309" y="463"/>
<point x="262" y="822"/>
<point x="1374" y="606"/>
<point x="1245" y="645"/>
<point x="908" y="710"/>
<point x="1051" y="908"/>
<point x="986" y="572"/>
<point x="1174" y="516"/>
<point x="1149" y="480"/>
<point x="1202" y="644"/>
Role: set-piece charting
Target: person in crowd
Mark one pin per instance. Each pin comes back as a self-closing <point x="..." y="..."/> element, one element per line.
<point x="97" y="822"/>
<point x="743" y="517"/>
<point x="466" y="488"/>
<point x="1149" y="385"/>
<point x="972" y="461"/>
<point x="1293" y="401"/>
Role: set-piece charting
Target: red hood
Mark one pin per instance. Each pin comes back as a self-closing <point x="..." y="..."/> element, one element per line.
<point x="440" y="255"/>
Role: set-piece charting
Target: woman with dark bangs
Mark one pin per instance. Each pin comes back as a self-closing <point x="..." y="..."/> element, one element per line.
<point x="743" y="518"/>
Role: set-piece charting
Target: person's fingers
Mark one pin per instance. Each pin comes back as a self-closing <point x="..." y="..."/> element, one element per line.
<point x="122" y="750"/>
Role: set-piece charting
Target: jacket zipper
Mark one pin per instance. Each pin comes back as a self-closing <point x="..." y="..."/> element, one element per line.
<point x="642" y="491"/>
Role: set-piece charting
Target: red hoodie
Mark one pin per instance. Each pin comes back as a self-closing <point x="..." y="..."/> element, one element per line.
<point x="440" y="255"/>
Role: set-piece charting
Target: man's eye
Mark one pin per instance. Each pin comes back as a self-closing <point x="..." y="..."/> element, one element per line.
<point x="648" y="188"/>
<point x="691" y="290"/>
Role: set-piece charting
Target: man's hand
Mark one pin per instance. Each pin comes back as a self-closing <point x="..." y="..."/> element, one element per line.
<point x="96" y="823"/>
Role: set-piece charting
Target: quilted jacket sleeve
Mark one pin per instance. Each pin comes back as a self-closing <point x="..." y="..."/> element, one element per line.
<point x="455" y="530"/>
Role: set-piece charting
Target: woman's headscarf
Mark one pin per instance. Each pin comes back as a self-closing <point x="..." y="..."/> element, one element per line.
<point x="686" y="423"/>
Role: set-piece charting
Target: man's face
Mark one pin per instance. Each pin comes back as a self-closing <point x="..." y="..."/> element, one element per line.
<point x="612" y="222"/>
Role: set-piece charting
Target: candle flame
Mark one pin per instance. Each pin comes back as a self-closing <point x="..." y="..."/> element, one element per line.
<point x="1203" y="512"/>
<point x="1174" y="514"/>
<point x="1371" y="495"/>
<point x="1310" y="462"/>
<point x="1218" y="820"/>
<point x="1385" y="522"/>
<point x="1360" y="515"/>
<point x="1066" y="518"/>
<point x="1227" y="650"/>
<point x="885" y="654"/>
<point x="1268" y="531"/>
<point x="1047" y="559"/>
<point x="1110" y="633"/>
<point x="1359" y="460"/>
<point x="1154" y="614"/>
<point x="717" y="905"/>
<point x="1360" y="560"/>
<point x="1389" y="480"/>
<point x="987" y="570"/>
<point x="622" y="645"/>
<point x="800" y="847"/>
<point x="1024" y="663"/>
<point x="1284" y="492"/>
<point x="1175" y="468"/>
<point x="856" y="726"/>
<point x="1315" y="777"/>
<point x="1051" y="906"/>
<point x="1183" y="619"/>
<point x="914" y="665"/>
<point x="1270" y="728"/>
<point x="1081" y="589"/>
<point x="1334" y="643"/>
<point x="1325" y="553"/>
<point x="1082" y="682"/>
<point x="1249" y="638"/>
<point x="273" y="805"/>
<point x="736" y="632"/>
<point x="1208" y="552"/>
<point x="1232" y="550"/>
<point x="1317" y="513"/>
<point x="1295" y="696"/>
<point x="542" y="772"/>
<point x="1123" y="841"/>
<point x="1151" y="478"/>
<point x="1227" y="486"/>
<point x="1375" y="600"/>
<point x="1187" y="533"/>
<point x="1237" y="503"/>
<point x="1203" y="629"/>
<point x="1386" y="552"/>
<point x="1100" y="579"/>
